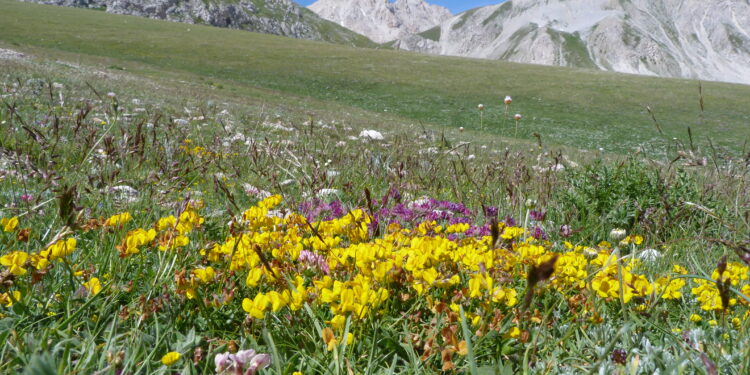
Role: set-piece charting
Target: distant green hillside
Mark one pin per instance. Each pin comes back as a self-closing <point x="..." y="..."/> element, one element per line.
<point x="578" y="108"/>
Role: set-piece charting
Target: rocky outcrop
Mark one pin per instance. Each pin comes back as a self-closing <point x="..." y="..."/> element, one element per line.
<point x="278" y="17"/>
<point x="382" y="20"/>
<point x="708" y="40"/>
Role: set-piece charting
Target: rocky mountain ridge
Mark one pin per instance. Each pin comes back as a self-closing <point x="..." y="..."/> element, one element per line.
<point x="278" y="17"/>
<point x="669" y="38"/>
<point x="381" y="20"/>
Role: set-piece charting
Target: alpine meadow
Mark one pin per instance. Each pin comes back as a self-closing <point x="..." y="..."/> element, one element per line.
<point x="180" y="198"/>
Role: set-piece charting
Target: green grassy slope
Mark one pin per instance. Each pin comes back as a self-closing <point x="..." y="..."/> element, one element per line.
<point x="583" y="109"/>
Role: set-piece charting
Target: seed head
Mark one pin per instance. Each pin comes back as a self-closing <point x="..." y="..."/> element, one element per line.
<point x="619" y="356"/>
<point x="617" y="234"/>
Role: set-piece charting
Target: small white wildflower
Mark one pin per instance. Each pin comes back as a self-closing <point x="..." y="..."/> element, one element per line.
<point x="649" y="255"/>
<point x="372" y="135"/>
<point x="508" y="100"/>
<point x="327" y="192"/>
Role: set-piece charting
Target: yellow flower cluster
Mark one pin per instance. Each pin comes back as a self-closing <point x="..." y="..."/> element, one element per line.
<point x="339" y="266"/>
<point x="356" y="275"/>
<point x="118" y="220"/>
<point x="169" y="232"/>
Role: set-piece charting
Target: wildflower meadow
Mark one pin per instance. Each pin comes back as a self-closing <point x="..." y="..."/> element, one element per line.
<point x="145" y="236"/>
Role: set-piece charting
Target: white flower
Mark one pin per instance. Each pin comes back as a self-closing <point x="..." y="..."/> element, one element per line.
<point x="517" y="117"/>
<point x="255" y="192"/>
<point x="111" y="95"/>
<point x="508" y="100"/>
<point x="327" y="192"/>
<point x="481" y="107"/>
<point x="649" y="255"/>
<point x="371" y="134"/>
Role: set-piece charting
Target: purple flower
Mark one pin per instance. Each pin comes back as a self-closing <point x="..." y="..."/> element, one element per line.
<point x="395" y="194"/>
<point x="312" y="260"/>
<point x="245" y="360"/>
<point x="539" y="233"/>
<point x="490" y="211"/>
<point x="510" y="222"/>
<point x="315" y="209"/>
<point x="565" y="231"/>
<point x="27" y="198"/>
<point x="537" y="215"/>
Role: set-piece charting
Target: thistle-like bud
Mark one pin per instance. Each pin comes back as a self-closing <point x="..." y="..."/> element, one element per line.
<point x="530" y="204"/>
<point x="617" y="234"/>
<point x="508" y="100"/>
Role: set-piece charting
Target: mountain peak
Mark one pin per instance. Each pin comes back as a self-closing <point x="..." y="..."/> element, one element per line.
<point x="669" y="38"/>
<point x="382" y="20"/>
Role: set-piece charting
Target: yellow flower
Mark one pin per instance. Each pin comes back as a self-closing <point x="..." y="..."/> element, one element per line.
<point x="16" y="262"/>
<point x="118" y="220"/>
<point x="93" y="286"/>
<point x="134" y="240"/>
<point x="510" y="233"/>
<point x="7" y="300"/>
<point x="513" y="333"/>
<point x="669" y="289"/>
<point x="257" y="306"/>
<point x="709" y="297"/>
<point x="205" y="275"/>
<point x="170" y="358"/>
<point x="695" y="318"/>
<point x="9" y="225"/>
<point x="735" y="272"/>
<point x="634" y="239"/>
<point x="713" y="323"/>
<point x="297" y="373"/>
<point x="253" y="277"/>
<point x="166" y="223"/>
<point x="59" y="249"/>
<point x="329" y="339"/>
<point x="606" y="286"/>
